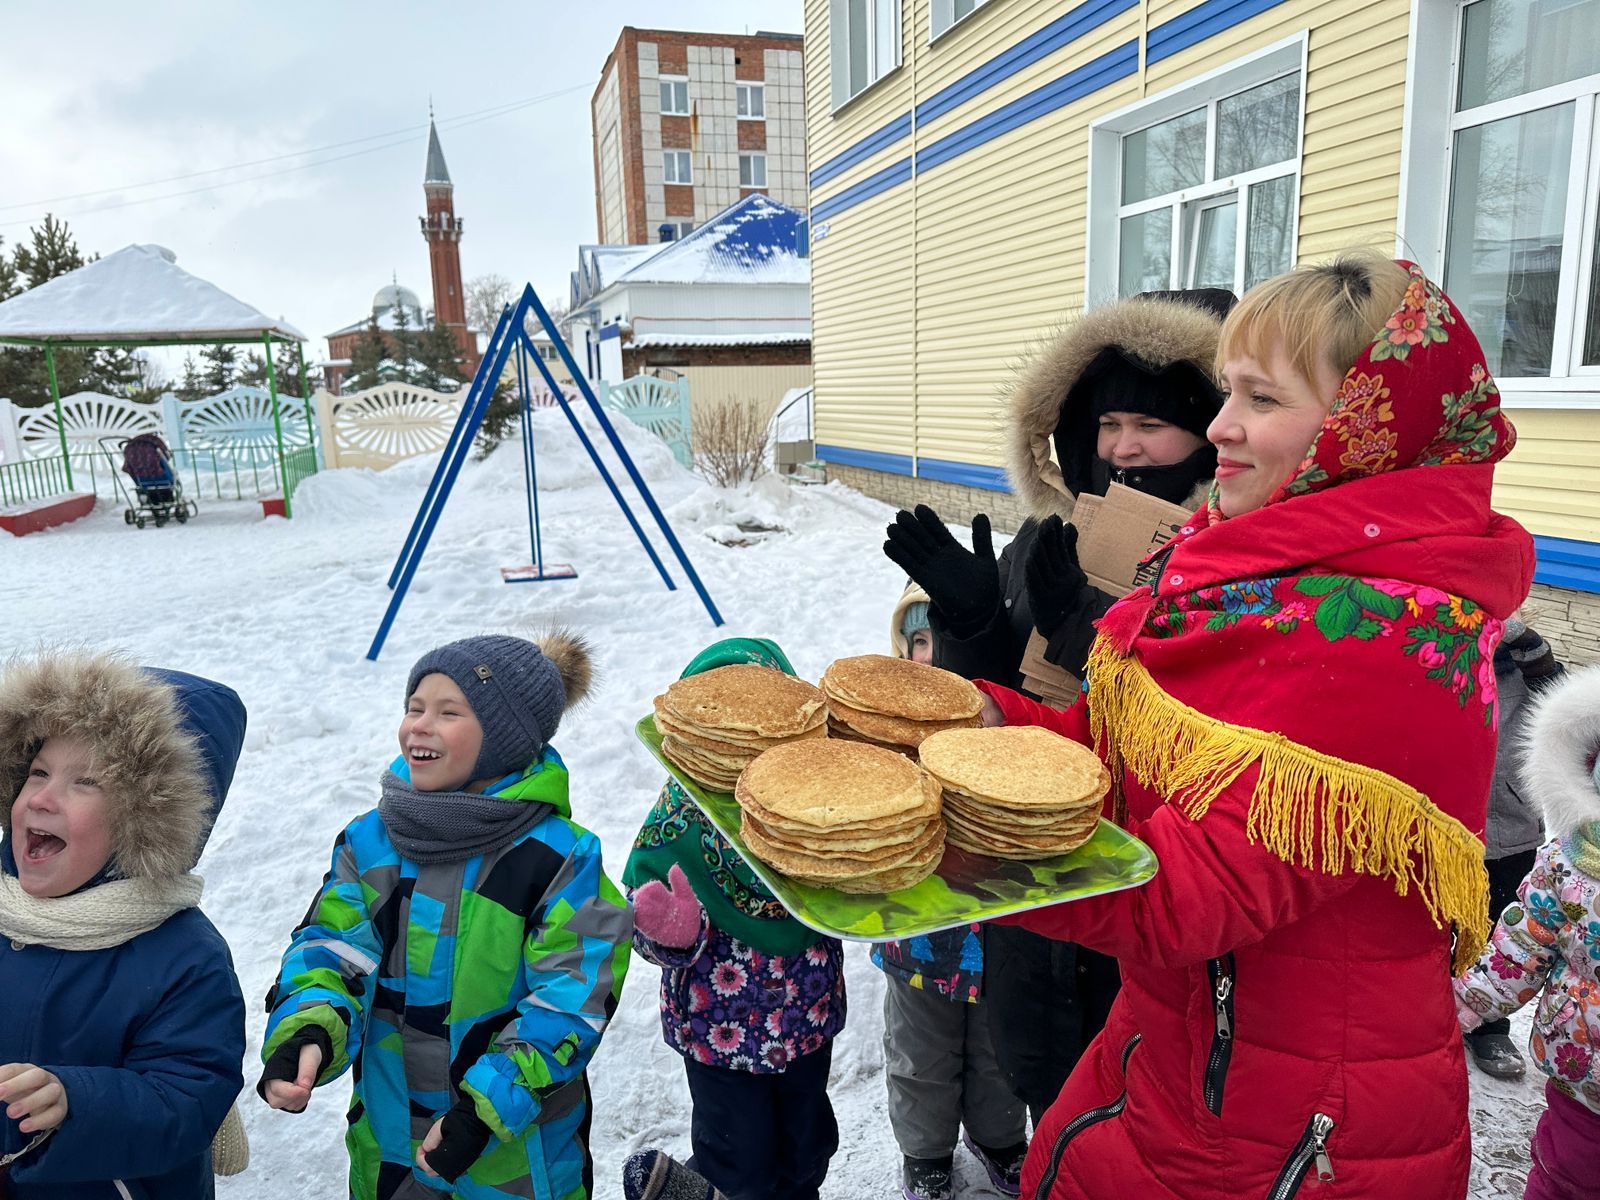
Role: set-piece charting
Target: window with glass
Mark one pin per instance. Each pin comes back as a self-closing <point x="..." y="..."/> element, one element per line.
<point x="751" y="99"/>
<point x="864" y="44"/>
<point x="1522" y="257"/>
<point x="676" y="167"/>
<point x="674" y="97"/>
<point x="753" y="170"/>
<point x="942" y="14"/>
<point x="1207" y="197"/>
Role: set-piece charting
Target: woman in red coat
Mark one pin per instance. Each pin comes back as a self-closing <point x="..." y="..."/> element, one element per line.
<point x="1299" y="715"/>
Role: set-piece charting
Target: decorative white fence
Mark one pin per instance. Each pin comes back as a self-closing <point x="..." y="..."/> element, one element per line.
<point x="225" y="446"/>
<point x="386" y="424"/>
<point x="659" y="405"/>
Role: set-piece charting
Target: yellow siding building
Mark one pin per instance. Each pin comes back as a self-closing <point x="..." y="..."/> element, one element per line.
<point x="980" y="169"/>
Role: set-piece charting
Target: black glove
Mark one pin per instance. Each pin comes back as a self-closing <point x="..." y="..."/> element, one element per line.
<point x="964" y="585"/>
<point x="1056" y="583"/>
<point x="284" y="1062"/>
<point x="462" y="1139"/>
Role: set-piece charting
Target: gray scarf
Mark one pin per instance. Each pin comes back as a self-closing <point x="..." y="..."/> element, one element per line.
<point x="441" y="827"/>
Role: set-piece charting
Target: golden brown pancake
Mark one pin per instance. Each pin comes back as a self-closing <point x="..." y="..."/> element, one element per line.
<point x="898" y="687"/>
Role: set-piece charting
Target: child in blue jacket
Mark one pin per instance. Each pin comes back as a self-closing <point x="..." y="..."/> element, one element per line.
<point x="466" y="950"/>
<point x="123" y="1035"/>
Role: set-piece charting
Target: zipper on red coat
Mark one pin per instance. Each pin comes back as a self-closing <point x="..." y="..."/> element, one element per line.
<point x="1221" y="972"/>
<point x="1081" y="1122"/>
<point x="1311" y="1149"/>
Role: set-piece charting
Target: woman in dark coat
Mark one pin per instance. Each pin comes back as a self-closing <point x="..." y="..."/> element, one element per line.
<point x="1122" y="394"/>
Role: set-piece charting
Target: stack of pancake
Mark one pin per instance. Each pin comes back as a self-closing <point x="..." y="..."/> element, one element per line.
<point x="895" y="702"/>
<point x="842" y="815"/>
<point x="714" y="723"/>
<point x="1017" y="792"/>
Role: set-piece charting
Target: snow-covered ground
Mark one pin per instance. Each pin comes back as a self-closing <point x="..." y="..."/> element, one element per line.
<point x="284" y="612"/>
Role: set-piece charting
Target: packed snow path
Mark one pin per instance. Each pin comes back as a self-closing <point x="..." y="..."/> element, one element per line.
<point x="284" y="612"/>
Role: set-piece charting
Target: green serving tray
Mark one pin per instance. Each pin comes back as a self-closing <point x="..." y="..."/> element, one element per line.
<point x="965" y="887"/>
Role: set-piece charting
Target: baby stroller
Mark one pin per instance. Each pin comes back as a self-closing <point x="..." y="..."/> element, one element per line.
<point x="157" y="490"/>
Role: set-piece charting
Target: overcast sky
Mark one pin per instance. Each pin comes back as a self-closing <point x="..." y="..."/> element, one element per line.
<point x="99" y="97"/>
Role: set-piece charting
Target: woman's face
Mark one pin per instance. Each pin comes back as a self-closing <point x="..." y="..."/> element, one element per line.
<point x="1270" y="416"/>
<point x="1127" y="439"/>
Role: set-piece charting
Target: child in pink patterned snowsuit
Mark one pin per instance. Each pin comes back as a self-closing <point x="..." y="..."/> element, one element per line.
<point x="1547" y="943"/>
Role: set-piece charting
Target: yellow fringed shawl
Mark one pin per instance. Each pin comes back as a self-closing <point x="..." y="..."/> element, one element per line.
<point x="1308" y="808"/>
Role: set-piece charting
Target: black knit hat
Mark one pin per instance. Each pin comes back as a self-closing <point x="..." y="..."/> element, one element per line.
<point x="515" y="691"/>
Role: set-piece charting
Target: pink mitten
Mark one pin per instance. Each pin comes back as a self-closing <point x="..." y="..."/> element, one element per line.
<point x="668" y="912"/>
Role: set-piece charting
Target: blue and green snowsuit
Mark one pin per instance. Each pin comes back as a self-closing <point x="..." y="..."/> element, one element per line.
<point x="491" y="977"/>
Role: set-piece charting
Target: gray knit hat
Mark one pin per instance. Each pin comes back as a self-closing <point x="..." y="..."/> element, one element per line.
<point x="518" y="690"/>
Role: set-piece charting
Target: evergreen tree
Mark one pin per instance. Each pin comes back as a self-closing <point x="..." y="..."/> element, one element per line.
<point x="9" y="285"/>
<point x="190" y="387"/>
<point x="403" y="342"/>
<point x="221" y="368"/>
<point x="253" y="371"/>
<point x="53" y="252"/>
<point x="366" y="357"/>
<point x="439" y="359"/>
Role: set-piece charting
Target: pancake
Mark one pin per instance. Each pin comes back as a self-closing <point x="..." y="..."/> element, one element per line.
<point x="831" y="781"/>
<point x="898" y="687"/>
<point x="743" y="701"/>
<point x="884" y="729"/>
<point x="1015" y="767"/>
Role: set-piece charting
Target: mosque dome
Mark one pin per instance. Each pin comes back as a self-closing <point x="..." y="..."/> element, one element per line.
<point x="393" y="296"/>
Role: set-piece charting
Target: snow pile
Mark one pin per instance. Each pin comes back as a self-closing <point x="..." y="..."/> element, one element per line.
<point x="284" y="612"/>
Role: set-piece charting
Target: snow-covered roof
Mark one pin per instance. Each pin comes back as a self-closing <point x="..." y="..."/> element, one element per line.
<point x="782" y="337"/>
<point x="601" y="266"/>
<point x="756" y="240"/>
<point x="388" y="320"/>
<point x="138" y="294"/>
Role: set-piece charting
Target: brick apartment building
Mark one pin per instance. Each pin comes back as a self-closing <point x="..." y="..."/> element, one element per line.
<point x="685" y="124"/>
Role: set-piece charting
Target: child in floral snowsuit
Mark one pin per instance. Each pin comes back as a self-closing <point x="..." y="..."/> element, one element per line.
<point x="751" y="998"/>
<point x="1547" y="943"/>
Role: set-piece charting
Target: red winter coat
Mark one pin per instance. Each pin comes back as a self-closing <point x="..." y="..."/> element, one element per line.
<point x="1299" y="714"/>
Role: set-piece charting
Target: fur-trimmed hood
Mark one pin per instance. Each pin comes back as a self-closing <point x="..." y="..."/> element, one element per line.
<point x="165" y="747"/>
<point x="897" y="637"/>
<point x="1562" y="739"/>
<point x="1159" y="332"/>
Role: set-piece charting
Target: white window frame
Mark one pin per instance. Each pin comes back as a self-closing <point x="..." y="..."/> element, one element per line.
<point x="744" y="93"/>
<point x="669" y="162"/>
<point x="1431" y="123"/>
<point x="1283" y="58"/>
<point x="674" y="82"/>
<point x="942" y="18"/>
<point x="754" y="158"/>
<point x="839" y="48"/>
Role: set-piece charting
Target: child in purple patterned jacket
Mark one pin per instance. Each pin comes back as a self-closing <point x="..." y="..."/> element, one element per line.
<point x="751" y="998"/>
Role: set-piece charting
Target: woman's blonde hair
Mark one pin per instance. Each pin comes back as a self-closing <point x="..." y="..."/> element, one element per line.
<point x="1322" y="315"/>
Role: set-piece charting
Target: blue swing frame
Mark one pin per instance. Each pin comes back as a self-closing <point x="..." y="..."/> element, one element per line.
<point x="511" y="334"/>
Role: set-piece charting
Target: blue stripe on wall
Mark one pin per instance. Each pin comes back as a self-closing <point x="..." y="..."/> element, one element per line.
<point x="1566" y="562"/>
<point x="1024" y="54"/>
<point x="869" y="460"/>
<point x="893" y="174"/>
<point x="1074" y="85"/>
<point x="1199" y="23"/>
<point x="868" y="146"/>
<point x="991" y="479"/>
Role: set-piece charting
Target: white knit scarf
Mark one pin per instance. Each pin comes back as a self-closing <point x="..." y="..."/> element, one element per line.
<point x="104" y="916"/>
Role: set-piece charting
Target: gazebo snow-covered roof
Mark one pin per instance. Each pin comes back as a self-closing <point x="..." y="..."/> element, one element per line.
<point x="140" y="297"/>
<point x="137" y="296"/>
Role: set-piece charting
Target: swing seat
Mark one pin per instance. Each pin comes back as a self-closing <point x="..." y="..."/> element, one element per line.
<point x="538" y="573"/>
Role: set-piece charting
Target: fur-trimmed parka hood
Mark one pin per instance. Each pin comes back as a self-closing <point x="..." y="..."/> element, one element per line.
<point x="1158" y="331"/>
<point x="165" y="746"/>
<point x="1558" y="763"/>
<point x="897" y="635"/>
